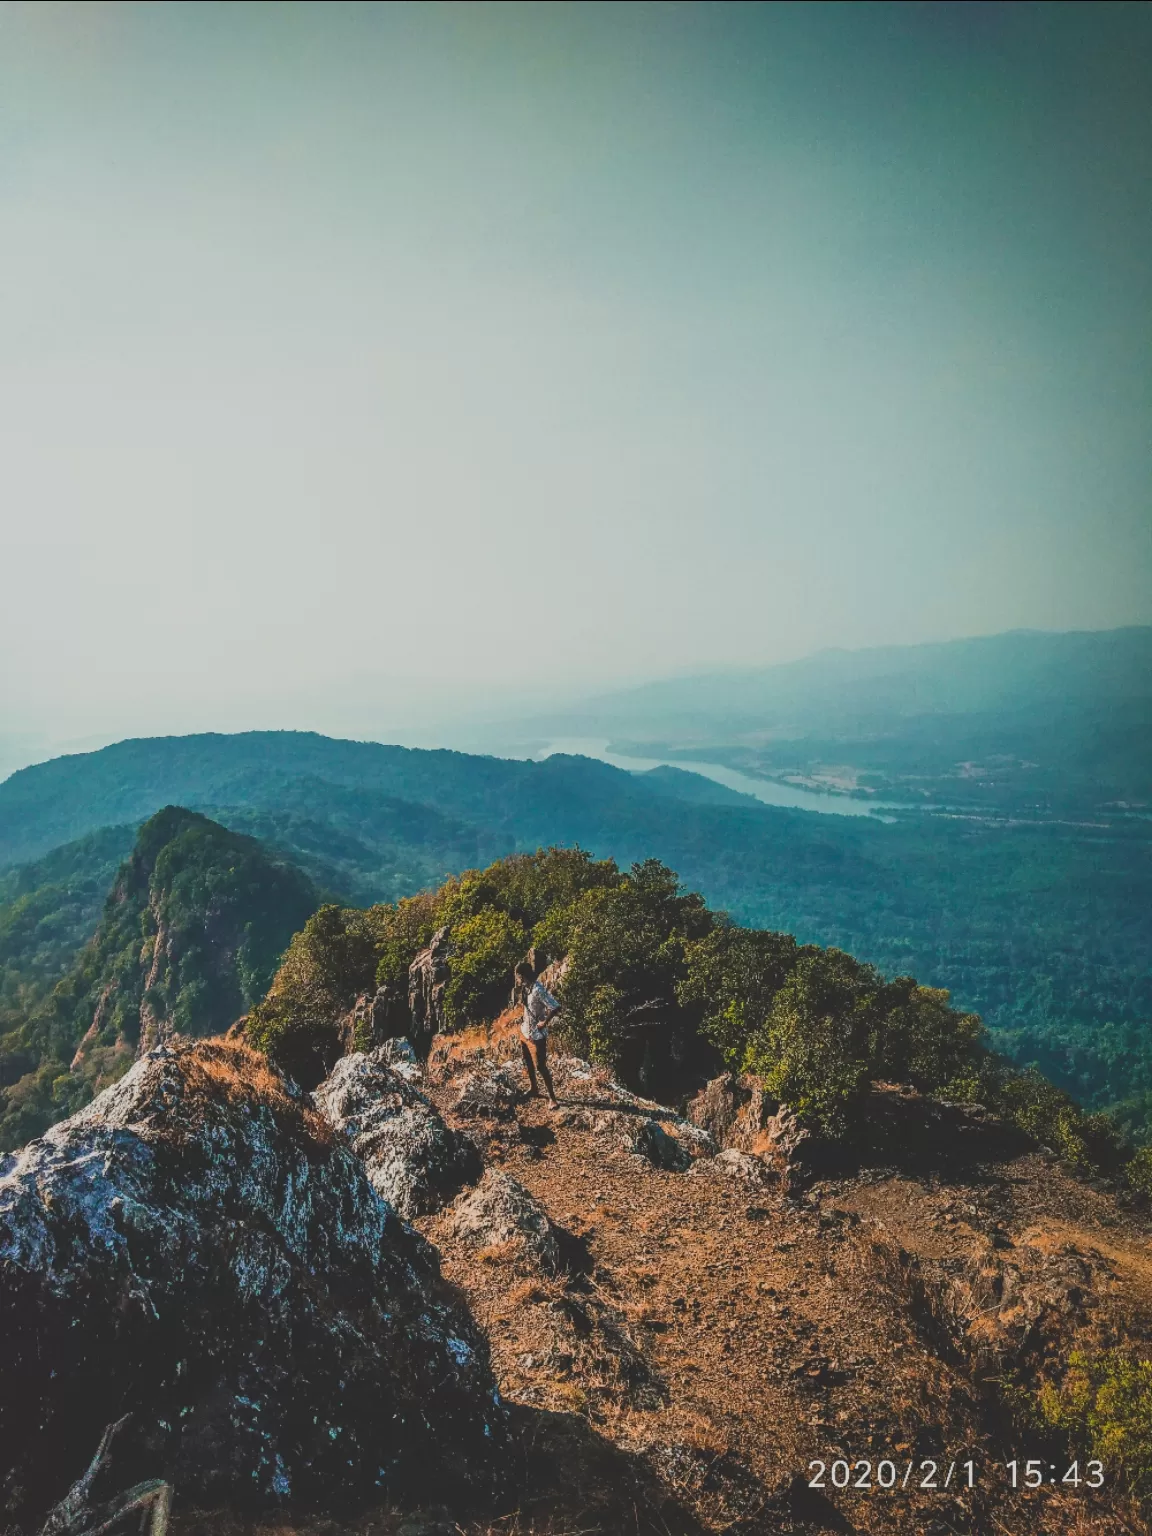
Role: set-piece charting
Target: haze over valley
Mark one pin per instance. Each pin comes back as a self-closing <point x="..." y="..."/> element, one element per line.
<point x="575" y="768"/>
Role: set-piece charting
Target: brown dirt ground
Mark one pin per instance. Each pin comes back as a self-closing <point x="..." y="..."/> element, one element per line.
<point x="713" y="1339"/>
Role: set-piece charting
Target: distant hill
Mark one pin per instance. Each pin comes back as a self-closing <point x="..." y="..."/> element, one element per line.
<point x="1022" y="724"/>
<point x="1040" y="925"/>
<point x="191" y="932"/>
<point x="359" y="783"/>
<point x="1024" y="669"/>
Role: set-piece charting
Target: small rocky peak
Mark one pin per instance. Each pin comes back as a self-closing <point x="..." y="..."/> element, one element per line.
<point x="200" y="1246"/>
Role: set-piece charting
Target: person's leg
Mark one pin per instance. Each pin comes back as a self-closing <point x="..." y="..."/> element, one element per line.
<point x="542" y="1063"/>
<point x="529" y="1062"/>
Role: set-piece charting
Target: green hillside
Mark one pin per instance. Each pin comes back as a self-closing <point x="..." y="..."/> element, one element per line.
<point x="666" y="993"/>
<point x="1040" y="926"/>
<point x="48" y="912"/>
<point x="190" y="934"/>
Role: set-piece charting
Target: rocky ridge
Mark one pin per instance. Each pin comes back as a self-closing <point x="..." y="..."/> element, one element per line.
<point x="683" y="1312"/>
<point x="198" y="1249"/>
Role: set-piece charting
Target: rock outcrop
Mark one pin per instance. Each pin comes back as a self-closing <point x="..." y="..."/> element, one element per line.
<point x="198" y="1248"/>
<point x="427" y="978"/>
<point x="415" y="1161"/>
<point x="648" y="1140"/>
<point x="792" y="1150"/>
<point x="735" y="1111"/>
<point x="490" y="1092"/>
<point x="376" y="1017"/>
<point x="501" y="1212"/>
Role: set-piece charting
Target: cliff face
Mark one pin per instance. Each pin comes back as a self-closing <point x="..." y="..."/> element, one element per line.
<point x="199" y="1250"/>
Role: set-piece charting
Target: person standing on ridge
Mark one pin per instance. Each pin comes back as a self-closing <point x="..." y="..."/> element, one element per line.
<point x="540" y="1008"/>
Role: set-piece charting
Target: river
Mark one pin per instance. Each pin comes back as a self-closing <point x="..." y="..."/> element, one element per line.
<point x="769" y="791"/>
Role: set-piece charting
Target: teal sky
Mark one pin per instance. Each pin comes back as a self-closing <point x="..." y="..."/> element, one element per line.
<point x="360" y="365"/>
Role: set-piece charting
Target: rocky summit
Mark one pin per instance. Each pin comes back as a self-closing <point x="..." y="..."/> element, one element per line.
<point x="792" y="1249"/>
<point x="200" y="1251"/>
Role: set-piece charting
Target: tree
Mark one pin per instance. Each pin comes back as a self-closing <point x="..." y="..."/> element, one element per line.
<point x="813" y="1049"/>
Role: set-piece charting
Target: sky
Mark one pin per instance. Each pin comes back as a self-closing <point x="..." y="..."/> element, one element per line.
<point x="369" y="368"/>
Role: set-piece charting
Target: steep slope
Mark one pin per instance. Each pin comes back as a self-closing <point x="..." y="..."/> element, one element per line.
<point x="191" y="933"/>
<point x="48" y="912"/>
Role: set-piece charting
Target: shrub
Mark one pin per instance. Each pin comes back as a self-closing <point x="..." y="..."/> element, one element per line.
<point x="920" y="1039"/>
<point x="814" y="1048"/>
<point x="732" y="978"/>
<point x="485" y="947"/>
<point x="1139" y="1171"/>
<point x="1103" y="1407"/>
<point x="401" y="931"/>
<point x="329" y="963"/>
<point x="530" y="886"/>
<point x="626" y="945"/>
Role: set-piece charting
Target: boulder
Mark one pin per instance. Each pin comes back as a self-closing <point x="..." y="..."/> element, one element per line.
<point x="427" y="978"/>
<point x="491" y="1092"/>
<point x="376" y="1017"/>
<point x="736" y="1165"/>
<point x="197" y="1248"/>
<point x="500" y="1211"/>
<point x="792" y="1150"/>
<point x="415" y="1161"/>
<point x="649" y="1140"/>
<point x="735" y="1111"/>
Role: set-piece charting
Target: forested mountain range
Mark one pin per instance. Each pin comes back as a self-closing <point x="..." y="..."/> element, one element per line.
<point x="1029" y="724"/>
<point x="1021" y="670"/>
<point x="188" y="933"/>
<point x="1039" y="927"/>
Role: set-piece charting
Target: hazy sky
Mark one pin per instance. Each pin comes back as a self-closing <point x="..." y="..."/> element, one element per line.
<point x="358" y="361"/>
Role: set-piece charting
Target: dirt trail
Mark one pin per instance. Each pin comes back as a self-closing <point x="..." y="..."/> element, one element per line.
<point x="772" y="1331"/>
<point x="709" y="1340"/>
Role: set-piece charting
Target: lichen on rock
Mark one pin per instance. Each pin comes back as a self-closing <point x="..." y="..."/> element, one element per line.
<point x="415" y="1161"/>
<point x="500" y="1212"/>
<point x="197" y="1247"/>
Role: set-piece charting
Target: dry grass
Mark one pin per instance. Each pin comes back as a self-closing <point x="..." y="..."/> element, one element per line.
<point x="754" y="1335"/>
<point x="718" y="1339"/>
<point x="226" y="1068"/>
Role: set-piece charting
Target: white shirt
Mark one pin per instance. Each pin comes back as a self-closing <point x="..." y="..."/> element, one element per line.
<point x="537" y="1005"/>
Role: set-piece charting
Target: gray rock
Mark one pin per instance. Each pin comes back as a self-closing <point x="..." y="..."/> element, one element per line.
<point x="427" y="978"/>
<point x="737" y="1165"/>
<point x="499" y="1211"/>
<point x="399" y="1055"/>
<point x="415" y="1161"/>
<point x="377" y="1017"/>
<point x="649" y="1141"/>
<point x="197" y="1245"/>
<point x="491" y="1092"/>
